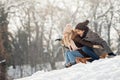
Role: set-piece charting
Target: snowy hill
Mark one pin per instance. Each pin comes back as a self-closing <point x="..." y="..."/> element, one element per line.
<point x="103" y="69"/>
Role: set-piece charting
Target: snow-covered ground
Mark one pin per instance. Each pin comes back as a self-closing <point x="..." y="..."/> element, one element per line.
<point x="103" y="69"/>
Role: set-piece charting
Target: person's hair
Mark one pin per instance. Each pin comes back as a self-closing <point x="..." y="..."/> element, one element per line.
<point x="82" y="26"/>
<point x="68" y="42"/>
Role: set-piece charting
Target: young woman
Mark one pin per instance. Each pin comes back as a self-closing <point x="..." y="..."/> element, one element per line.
<point x="72" y="51"/>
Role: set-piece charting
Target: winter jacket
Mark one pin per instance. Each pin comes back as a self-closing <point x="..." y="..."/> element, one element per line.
<point x="80" y="43"/>
<point x="96" y="39"/>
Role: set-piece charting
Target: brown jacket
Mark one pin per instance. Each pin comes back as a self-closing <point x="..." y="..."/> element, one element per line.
<point x="93" y="38"/>
<point x="80" y="43"/>
<point x="89" y="44"/>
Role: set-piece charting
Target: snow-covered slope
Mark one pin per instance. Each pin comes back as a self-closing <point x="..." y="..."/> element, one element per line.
<point x="103" y="69"/>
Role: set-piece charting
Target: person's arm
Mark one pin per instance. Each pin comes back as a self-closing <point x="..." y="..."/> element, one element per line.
<point x="86" y="43"/>
<point x="73" y="46"/>
<point x="62" y="44"/>
<point x="83" y="42"/>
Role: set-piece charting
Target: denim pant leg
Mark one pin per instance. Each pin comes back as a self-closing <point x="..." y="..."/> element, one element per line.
<point x="72" y="56"/>
<point x="89" y="51"/>
<point x="66" y="56"/>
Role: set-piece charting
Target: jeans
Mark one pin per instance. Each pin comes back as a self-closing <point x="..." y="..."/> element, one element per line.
<point x="89" y="51"/>
<point x="71" y="56"/>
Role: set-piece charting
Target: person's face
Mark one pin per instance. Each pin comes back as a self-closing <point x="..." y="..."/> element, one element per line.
<point x="80" y="32"/>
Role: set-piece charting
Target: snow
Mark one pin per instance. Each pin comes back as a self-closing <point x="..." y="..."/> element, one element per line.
<point x="103" y="69"/>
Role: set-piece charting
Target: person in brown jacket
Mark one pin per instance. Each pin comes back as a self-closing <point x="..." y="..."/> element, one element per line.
<point x="91" y="39"/>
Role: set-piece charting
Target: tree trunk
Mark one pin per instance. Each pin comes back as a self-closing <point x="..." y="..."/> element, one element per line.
<point x="118" y="51"/>
<point x="52" y="63"/>
<point x="3" y="71"/>
<point x="5" y="46"/>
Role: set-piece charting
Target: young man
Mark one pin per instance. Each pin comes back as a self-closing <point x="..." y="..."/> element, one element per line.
<point x="86" y="34"/>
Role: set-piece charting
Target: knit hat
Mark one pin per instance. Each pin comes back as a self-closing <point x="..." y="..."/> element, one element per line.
<point x="82" y="25"/>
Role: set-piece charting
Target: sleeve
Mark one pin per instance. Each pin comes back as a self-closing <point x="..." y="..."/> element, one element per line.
<point x="73" y="46"/>
<point x="83" y="42"/>
<point x="93" y="37"/>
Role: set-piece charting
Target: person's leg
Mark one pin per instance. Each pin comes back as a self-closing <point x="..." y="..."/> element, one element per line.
<point x="107" y="49"/>
<point x="72" y="56"/>
<point x="89" y="51"/>
<point x="111" y="54"/>
<point x="66" y="57"/>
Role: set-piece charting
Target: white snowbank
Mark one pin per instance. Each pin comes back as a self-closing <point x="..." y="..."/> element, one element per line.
<point x="103" y="69"/>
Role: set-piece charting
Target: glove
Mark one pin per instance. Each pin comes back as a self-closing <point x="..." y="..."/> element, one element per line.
<point x="97" y="46"/>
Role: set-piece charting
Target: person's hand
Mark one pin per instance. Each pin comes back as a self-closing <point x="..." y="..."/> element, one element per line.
<point x="76" y="49"/>
<point x="97" y="46"/>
